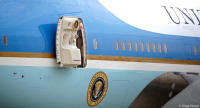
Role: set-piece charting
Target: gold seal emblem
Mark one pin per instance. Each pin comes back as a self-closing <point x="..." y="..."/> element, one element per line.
<point x="97" y="89"/>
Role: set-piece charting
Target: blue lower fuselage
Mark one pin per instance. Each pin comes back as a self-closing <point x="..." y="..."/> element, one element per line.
<point x="57" y="88"/>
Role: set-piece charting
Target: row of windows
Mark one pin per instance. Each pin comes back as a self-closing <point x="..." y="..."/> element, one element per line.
<point x="149" y="46"/>
<point x="136" y="44"/>
<point x="142" y="46"/>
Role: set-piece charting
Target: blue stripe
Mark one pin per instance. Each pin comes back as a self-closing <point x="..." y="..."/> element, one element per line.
<point x="31" y="27"/>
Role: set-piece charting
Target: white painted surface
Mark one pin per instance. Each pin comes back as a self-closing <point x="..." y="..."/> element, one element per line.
<point x="143" y="66"/>
<point x="13" y="61"/>
<point x="151" y="16"/>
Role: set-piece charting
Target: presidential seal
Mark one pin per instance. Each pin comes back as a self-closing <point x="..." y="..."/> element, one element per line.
<point x="97" y="89"/>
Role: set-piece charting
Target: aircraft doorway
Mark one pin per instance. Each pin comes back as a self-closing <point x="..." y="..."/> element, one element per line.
<point x="81" y="44"/>
<point x="71" y="42"/>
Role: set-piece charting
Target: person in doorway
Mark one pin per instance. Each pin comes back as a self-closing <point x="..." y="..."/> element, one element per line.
<point x="79" y="39"/>
<point x="78" y="36"/>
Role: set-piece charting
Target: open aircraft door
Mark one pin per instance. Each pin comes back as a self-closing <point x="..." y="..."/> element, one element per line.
<point x="68" y="54"/>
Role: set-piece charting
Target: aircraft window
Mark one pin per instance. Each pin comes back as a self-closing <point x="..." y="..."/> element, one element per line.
<point x="129" y="46"/>
<point x="117" y="45"/>
<point x="5" y="40"/>
<point x="159" y="47"/>
<point x="136" y="46"/>
<point x="165" y="48"/>
<point x="195" y="50"/>
<point x="142" y="46"/>
<point x="95" y="43"/>
<point x="154" y="47"/>
<point x="123" y="45"/>
<point x="148" y="47"/>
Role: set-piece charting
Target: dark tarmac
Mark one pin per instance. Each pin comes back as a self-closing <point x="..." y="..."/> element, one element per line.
<point x="160" y="91"/>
